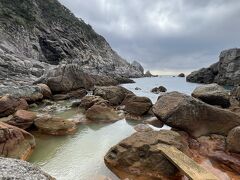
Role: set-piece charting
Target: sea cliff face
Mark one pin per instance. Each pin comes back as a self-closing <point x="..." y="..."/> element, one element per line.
<point x="37" y="35"/>
<point x="225" y="72"/>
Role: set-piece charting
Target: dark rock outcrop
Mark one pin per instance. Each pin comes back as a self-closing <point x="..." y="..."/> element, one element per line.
<point x="224" y="72"/>
<point x="37" y="35"/>
<point x="194" y="116"/>
<point x="181" y="75"/>
<point x="89" y="101"/>
<point x="114" y="94"/>
<point x="15" y="142"/>
<point x="213" y="94"/>
<point x="17" y="169"/>
<point x="138" y="157"/>
<point x="80" y="93"/>
<point x="159" y="89"/>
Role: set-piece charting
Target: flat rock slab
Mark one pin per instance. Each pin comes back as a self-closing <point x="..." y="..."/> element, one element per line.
<point x="185" y="164"/>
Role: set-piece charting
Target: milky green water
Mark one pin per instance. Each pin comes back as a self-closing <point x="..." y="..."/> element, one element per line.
<point x="81" y="156"/>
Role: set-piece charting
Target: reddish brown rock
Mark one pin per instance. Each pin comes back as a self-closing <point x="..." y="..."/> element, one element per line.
<point x="54" y="125"/>
<point x="102" y="114"/>
<point x="45" y="90"/>
<point x="22" y="119"/>
<point x="9" y="105"/>
<point x="80" y="93"/>
<point x="15" y="142"/>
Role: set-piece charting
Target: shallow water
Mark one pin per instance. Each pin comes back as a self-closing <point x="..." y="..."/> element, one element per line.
<point x="80" y="156"/>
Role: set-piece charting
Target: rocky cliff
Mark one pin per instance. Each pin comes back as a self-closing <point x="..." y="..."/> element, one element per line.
<point x="224" y="72"/>
<point x="37" y="35"/>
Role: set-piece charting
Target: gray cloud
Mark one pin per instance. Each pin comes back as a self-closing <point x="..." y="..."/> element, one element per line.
<point x="173" y="35"/>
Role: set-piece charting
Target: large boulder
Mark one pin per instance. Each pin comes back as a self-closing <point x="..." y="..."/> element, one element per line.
<point x="137" y="105"/>
<point x="114" y="94"/>
<point x="15" y="142"/>
<point x="29" y="93"/>
<point x="233" y="140"/>
<point x="136" y="65"/>
<point x="9" y="105"/>
<point x="213" y="94"/>
<point x="224" y="72"/>
<point x="88" y="101"/>
<point x="100" y="113"/>
<point x="22" y="170"/>
<point x="45" y="90"/>
<point x="194" y="116"/>
<point x="22" y="119"/>
<point x="137" y="156"/>
<point x="54" y="125"/>
<point x="65" y="78"/>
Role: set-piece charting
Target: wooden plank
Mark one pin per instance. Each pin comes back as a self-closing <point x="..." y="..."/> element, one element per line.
<point x="185" y="164"/>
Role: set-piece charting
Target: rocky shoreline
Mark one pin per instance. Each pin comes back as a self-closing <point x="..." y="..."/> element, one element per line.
<point x="201" y="127"/>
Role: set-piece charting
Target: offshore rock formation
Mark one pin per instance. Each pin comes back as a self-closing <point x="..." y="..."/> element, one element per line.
<point x="224" y="72"/>
<point x="37" y="35"/>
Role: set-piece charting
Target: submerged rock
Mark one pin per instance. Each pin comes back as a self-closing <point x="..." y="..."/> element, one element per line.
<point x="22" y="119"/>
<point x="233" y="140"/>
<point x="137" y="105"/>
<point x="22" y="170"/>
<point x="159" y="89"/>
<point x="213" y="94"/>
<point x="114" y="94"/>
<point x="15" y="142"/>
<point x="54" y="125"/>
<point x="193" y="116"/>
<point x="9" y="105"/>
<point x="138" y="157"/>
<point x="102" y="113"/>
<point x="142" y="128"/>
<point x="154" y="122"/>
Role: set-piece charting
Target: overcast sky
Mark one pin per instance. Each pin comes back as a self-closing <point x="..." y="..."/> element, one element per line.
<point x="166" y="36"/>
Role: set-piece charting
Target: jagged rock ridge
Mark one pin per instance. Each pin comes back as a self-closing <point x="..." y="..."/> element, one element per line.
<point x="36" y="35"/>
<point x="224" y="72"/>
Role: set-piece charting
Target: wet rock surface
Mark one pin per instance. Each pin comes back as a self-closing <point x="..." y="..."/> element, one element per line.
<point x="213" y="94"/>
<point x="89" y="101"/>
<point x="193" y="116"/>
<point x="15" y="142"/>
<point x="21" y="170"/>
